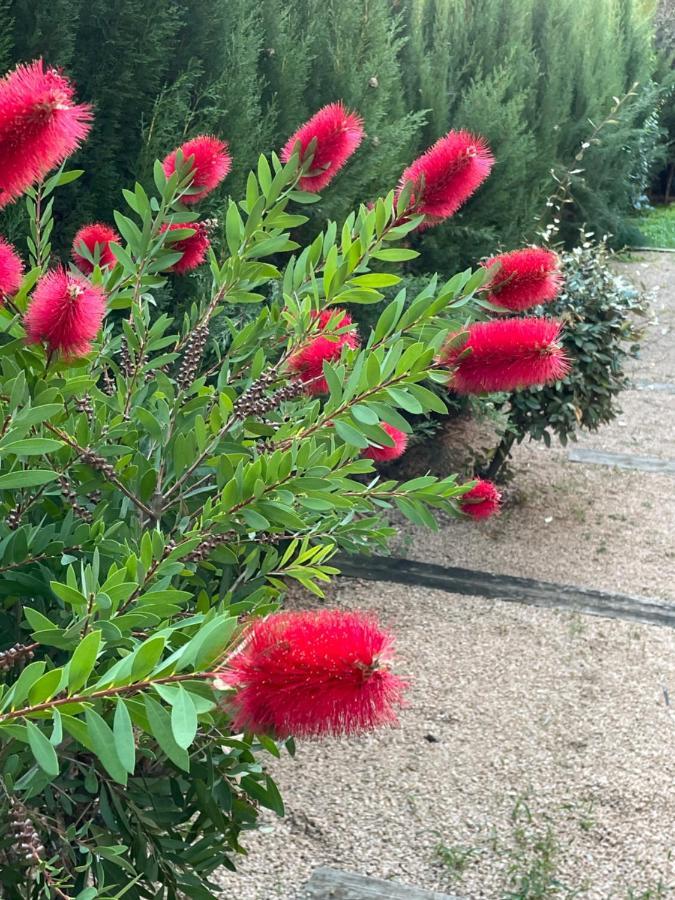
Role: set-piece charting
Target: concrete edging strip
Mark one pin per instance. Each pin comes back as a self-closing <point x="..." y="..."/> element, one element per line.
<point x="509" y="588"/>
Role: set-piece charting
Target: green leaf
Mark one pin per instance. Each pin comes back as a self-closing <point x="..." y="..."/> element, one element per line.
<point x="69" y="595"/>
<point x="83" y="661"/>
<point x="147" y="656"/>
<point x="90" y="893"/>
<point x="36" y="414"/>
<point x="123" y="734"/>
<point x="160" y="725"/>
<point x="103" y="741"/>
<point x="374" y="280"/>
<point x="42" y="750"/>
<point x="268" y="794"/>
<point x="67" y="177"/>
<point x="395" y="255"/>
<point x="209" y="644"/>
<point x="183" y="719"/>
<point x="45" y="687"/>
<point x="31" y="447"/>
<point x="27" y="478"/>
<point x="350" y="435"/>
<point x="365" y="414"/>
<point x="23" y="684"/>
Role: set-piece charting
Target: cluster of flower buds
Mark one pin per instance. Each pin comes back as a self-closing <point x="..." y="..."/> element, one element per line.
<point x="98" y="462"/>
<point x="125" y="359"/>
<point x="27" y="846"/>
<point x="13" y="517"/>
<point x="108" y="383"/>
<point x="71" y="496"/>
<point x="209" y="544"/>
<point x="256" y="402"/>
<point x="84" y="405"/>
<point x="194" y="350"/>
<point x="15" y="656"/>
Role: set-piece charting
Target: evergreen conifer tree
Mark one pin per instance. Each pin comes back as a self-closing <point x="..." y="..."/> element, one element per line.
<point x="528" y="74"/>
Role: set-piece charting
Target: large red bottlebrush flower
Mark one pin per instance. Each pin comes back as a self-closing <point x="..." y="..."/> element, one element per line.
<point x="506" y="354"/>
<point x="96" y="235"/>
<point x="11" y="269"/>
<point x="194" y="247"/>
<point x="526" y="278"/>
<point x="337" y="132"/>
<point x="211" y="162"/>
<point x="482" y="501"/>
<point x="386" y="454"/>
<point x="40" y="126"/>
<point x="447" y="175"/>
<point x="307" y="363"/>
<point x="65" y="313"/>
<point x="314" y="673"/>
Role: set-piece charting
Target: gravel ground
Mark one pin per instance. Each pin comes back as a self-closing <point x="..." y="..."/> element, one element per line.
<point x="536" y="745"/>
<point x="535" y="758"/>
<point x="592" y="526"/>
<point x="655" y="273"/>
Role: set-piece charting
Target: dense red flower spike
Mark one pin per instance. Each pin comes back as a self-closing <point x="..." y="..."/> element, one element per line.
<point x="482" y="501"/>
<point x="194" y="247"/>
<point x="314" y="673"/>
<point x="211" y="162"/>
<point x="40" y="126"/>
<point x="447" y="175"/>
<point x="338" y="133"/>
<point x="66" y="313"/>
<point x="96" y="235"/>
<point x="385" y="454"/>
<point x="506" y="354"/>
<point x="11" y="270"/>
<point x="526" y="278"/>
<point x="307" y="363"/>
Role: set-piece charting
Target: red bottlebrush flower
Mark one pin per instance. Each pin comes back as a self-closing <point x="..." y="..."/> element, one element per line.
<point x="507" y="354"/>
<point x="307" y="363"/>
<point x="66" y="313"/>
<point x="194" y="248"/>
<point x="482" y="501"/>
<point x="526" y="278"/>
<point x="11" y="270"/>
<point x="337" y="132"/>
<point x="314" y="673"/>
<point x="92" y="236"/>
<point x="211" y="162"/>
<point x="385" y="454"/>
<point x="447" y="175"/>
<point x="40" y="126"/>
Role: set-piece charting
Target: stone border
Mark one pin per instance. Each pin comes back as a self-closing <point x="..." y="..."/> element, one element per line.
<point x="622" y="461"/>
<point x="510" y="588"/>
<point x="657" y="387"/>
<point x="332" y="884"/>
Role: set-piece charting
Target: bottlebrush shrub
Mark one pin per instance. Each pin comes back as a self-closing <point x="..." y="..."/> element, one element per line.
<point x="156" y="494"/>
<point x="600" y="311"/>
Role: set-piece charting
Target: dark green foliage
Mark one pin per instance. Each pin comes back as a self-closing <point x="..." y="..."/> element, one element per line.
<point x="528" y="74"/>
<point x="6" y="24"/>
<point x="665" y="45"/>
<point x="599" y="310"/>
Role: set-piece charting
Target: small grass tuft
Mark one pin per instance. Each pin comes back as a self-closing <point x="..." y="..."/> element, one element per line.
<point x="455" y="859"/>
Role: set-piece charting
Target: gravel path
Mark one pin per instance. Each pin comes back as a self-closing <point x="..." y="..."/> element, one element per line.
<point x="536" y="743"/>
<point x="535" y="758"/>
